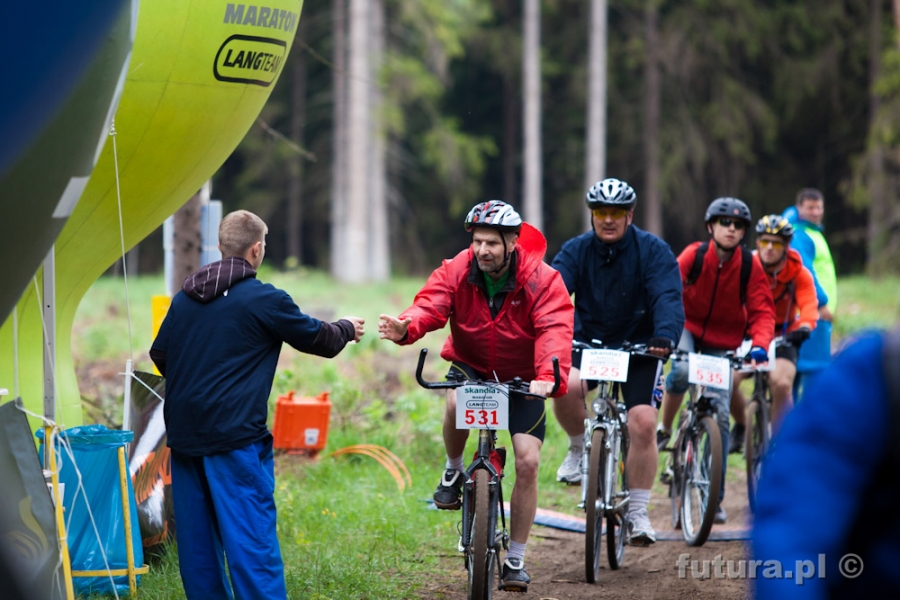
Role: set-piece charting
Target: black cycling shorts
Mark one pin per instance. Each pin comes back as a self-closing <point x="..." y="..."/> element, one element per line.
<point x="525" y="415"/>
<point x="788" y="351"/>
<point x="643" y="376"/>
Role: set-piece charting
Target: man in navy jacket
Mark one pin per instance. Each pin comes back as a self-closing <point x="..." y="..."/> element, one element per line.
<point x="627" y="287"/>
<point x="218" y="348"/>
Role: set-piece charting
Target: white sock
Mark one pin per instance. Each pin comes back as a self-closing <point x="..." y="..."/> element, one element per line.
<point x="661" y="427"/>
<point x="576" y="441"/>
<point x="516" y="550"/>
<point x="456" y="463"/>
<point x="638" y="500"/>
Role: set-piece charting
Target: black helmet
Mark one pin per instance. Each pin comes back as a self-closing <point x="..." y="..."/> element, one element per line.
<point x="611" y="192"/>
<point x="495" y="214"/>
<point x="775" y="225"/>
<point x="728" y="207"/>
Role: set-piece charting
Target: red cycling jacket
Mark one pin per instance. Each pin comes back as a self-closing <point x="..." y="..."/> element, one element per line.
<point x="712" y="304"/>
<point x="796" y="306"/>
<point x="534" y="324"/>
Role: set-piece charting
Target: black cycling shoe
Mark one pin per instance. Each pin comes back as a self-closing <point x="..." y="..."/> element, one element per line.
<point x="513" y="577"/>
<point x="736" y="445"/>
<point x="446" y="496"/>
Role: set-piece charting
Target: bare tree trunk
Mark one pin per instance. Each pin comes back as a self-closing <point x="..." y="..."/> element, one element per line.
<point x="531" y="78"/>
<point x="881" y="218"/>
<point x="186" y="241"/>
<point x="510" y="139"/>
<point x="651" y="205"/>
<point x="595" y="159"/>
<point x="295" y="183"/>
<point x="339" y="143"/>
<point x="379" y="250"/>
<point x="355" y="265"/>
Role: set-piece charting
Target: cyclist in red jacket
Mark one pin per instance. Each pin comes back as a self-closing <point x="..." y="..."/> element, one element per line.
<point x="718" y="310"/>
<point x="509" y="315"/>
<point x="796" y="313"/>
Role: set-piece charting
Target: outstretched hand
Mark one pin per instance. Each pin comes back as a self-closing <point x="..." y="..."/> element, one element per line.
<point x="357" y="327"/>
<point x="392" y="328"/>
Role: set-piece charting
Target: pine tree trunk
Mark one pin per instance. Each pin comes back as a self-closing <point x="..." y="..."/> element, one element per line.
<point x="186" y="241"/>
<point x="295" y="182"/>
<point x="510" y="139"/>
<point x="650" y="204"/>
<point x="379" y="251"/>
<point x="339" y="139"/>
<point x="531" y="79"/>
<point x="355" y="266"/>
<point x="595" y="156"/>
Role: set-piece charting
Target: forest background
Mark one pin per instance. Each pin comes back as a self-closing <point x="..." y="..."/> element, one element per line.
<point x="393" y="117"/>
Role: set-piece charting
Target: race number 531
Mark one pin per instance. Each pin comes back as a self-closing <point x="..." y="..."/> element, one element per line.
<point x="604" y="365"/>
<point x="482" y="407"/>
<point x="710" y="371"/>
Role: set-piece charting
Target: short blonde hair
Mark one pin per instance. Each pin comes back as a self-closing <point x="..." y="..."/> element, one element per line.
<point x="238" y="231"/>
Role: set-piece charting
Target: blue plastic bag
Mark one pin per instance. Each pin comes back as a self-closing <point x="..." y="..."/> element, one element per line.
<point x="95" y="450"/>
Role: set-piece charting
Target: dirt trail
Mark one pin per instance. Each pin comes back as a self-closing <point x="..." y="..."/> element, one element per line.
<point x="555" y="562"/>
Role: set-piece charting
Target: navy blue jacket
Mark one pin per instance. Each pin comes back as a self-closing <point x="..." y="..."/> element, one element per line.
<point x="219" y="357"/>
<point x="627" y="291"/>
<point x="829" y="485"/>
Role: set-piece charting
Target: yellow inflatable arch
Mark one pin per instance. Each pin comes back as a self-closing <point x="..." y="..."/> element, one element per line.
<point x="200" y="72"/>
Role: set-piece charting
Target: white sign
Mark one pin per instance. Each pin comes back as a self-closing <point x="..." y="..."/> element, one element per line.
<point x="482" y="407"/>
<point x="711" y="371"/>
<point x="604" y="365"/>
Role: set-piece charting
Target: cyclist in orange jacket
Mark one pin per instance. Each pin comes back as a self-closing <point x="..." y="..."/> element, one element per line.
<point x="796" y="312"/>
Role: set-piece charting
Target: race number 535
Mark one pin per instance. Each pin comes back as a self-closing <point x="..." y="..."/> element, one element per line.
<point x="482" y="407"/>
<point x="710" y="371"/>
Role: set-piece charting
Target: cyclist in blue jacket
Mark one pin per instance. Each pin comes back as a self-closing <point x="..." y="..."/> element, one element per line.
<point x="627" y="287"/>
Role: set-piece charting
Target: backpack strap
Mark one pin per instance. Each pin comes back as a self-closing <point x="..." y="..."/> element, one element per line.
<point x="746" y="265"/>
<point x="890" y="365"/>
<point x="697" y="267"/>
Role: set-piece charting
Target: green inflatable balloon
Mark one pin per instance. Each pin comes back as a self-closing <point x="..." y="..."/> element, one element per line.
<point x="200" y="72"/>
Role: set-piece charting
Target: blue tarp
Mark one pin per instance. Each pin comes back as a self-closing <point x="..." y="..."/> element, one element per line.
<point x="95" y="450"/>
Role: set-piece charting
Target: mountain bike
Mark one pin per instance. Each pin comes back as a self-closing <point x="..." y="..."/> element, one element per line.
<point x="759" y="425"/>
<point x="604" y="482"/>
<point x="694" y="468"/>
<point x="483" y="405"/>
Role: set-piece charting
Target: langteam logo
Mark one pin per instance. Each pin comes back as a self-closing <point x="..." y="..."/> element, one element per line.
<point x="249" y="59"/>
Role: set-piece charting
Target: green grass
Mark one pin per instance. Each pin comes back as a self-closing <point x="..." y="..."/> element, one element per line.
<point x="346" y="530"/>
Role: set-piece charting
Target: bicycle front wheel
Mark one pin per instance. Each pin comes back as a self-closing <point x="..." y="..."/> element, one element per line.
<point x="482" y="561"/>
<point x="593" y="511"/>
<point x="756" y="446"/>
<point x="615" y="521"/>
<point x="702" y="481"/>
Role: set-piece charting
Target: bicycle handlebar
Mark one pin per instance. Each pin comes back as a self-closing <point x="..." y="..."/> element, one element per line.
<point x="638" y="349"/>
<point x="516" y="384"/>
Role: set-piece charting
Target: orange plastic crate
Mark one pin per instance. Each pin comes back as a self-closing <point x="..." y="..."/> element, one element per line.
<point x="301" y="423"/>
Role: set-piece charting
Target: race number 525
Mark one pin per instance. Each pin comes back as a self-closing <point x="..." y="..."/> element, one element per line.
<point x="604" y="365"/>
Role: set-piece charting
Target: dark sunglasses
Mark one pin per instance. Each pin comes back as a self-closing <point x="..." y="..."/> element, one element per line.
<point x="728" y="222"/>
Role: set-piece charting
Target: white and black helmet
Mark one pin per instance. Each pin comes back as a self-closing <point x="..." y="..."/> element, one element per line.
<point x="611" y="192"/>
<point x="495" y="214"/>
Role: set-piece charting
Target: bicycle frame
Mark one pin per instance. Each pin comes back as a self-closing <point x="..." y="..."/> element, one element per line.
<point x="611" y="416"/>
<point x="487" y="439"/>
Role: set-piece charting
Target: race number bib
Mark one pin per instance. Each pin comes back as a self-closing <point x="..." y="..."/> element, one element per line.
<point x="482" y="407"/>
<point x="710" y="371"/>
<point x="604" y="365"/>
